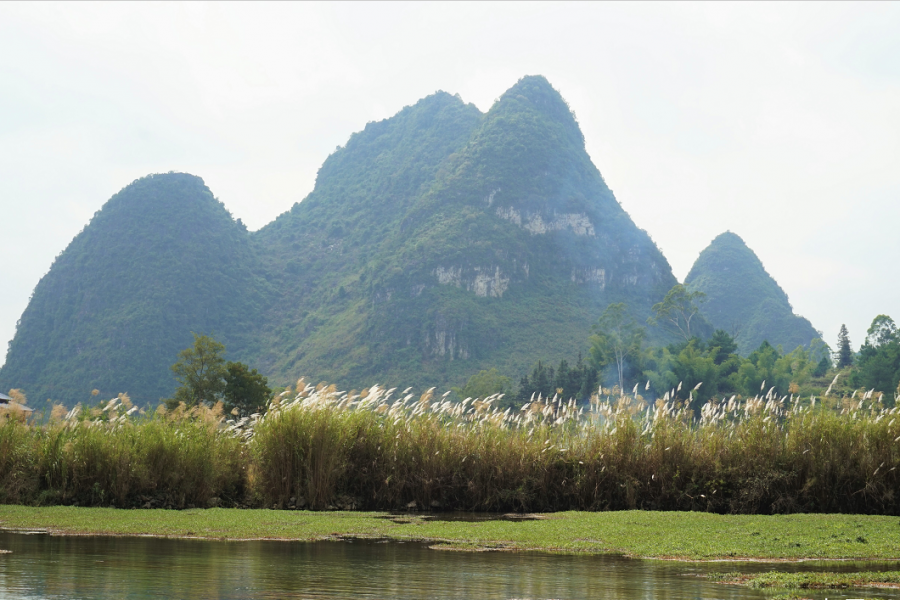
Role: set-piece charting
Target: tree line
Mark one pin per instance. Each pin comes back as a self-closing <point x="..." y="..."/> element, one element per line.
<point x="692" y="369"/>
<point x="696" y="368"/>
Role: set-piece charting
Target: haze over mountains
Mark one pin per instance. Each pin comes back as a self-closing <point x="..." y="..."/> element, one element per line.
<point x="436" y="243"/>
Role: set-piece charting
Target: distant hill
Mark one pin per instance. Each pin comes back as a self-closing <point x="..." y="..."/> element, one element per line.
<point x="743" y="298"/>
<point x="436" y="243"/>
<point x="161" y="258"/>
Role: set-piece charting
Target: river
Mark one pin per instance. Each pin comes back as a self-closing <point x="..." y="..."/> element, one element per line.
<point x="42" y="566"/>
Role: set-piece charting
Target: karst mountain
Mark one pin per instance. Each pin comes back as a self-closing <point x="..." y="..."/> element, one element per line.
<point x="744" y="300"/>
<point x="435" y="243"/>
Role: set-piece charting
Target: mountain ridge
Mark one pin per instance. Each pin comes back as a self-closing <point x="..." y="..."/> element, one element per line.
<point x="435" y="243"/>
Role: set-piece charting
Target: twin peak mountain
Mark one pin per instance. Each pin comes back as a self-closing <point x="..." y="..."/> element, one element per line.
<point x="436" y="243"/>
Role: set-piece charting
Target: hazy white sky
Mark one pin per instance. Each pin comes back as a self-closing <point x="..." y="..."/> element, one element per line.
<point x="780" y="122"/>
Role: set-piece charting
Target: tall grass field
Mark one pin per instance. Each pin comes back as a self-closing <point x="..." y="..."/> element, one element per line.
<point x="318" y="448"/>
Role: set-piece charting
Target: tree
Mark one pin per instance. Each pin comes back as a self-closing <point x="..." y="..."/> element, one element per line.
<point x="822" y="367"/>
<point x="677" y="310"/>
<point x="721" y="345"/>
<point x="882" y="331"/>
<point x="246" y="391"/>
<point x="844" y="354"/>
<point x="541" y="382"/>
<point x="616" y="338"/>
<point x="542" y="379"/>
<point x="563" y="375"/>
<point x="585" y="378"/>
<point x="878" y="364"/>
<point x="18" y="396"/>
<point x="201" y="372"/>
<point x="483" y="384"/>
<point x="576" y="382"/>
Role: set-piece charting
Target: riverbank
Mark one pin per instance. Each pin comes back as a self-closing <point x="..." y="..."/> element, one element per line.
<point x="642" y="534"/>
<point x="810" y="580"/>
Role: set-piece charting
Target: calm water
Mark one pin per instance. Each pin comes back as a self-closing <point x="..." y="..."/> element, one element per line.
<point x="43" y="566"/>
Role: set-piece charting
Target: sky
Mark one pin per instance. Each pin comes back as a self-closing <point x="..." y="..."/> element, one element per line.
<point x="777" y="121"/>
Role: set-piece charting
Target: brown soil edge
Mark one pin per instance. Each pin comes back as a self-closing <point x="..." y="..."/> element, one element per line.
<point x="758" y="559"/>
<point x="745" y="578"/>
<point x="446" y="545"/>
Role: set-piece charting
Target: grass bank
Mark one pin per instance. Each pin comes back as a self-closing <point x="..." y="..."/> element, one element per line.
<point x="671" y="535"/>
<point x="791" y="586"/>
<point x="817" y="580"/>
<point x="322" y="449"/>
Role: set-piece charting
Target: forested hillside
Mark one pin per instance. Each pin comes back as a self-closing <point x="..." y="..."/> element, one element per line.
<point x="744" y="300"/>
<point x="162" y="258"/>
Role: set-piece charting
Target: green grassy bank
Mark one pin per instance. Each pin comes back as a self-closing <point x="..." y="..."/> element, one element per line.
<point x="818" y="580"/>
<point x="676" y="535"/>
<point x="795" y="586"/>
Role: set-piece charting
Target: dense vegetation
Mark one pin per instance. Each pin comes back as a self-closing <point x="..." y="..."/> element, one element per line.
<point x="694" y="371"/>
<point x="205" y="377"/>
<point x="743" y="299"/>
<point x="320" y="448"/>
<point x="878" y="363"/>
<point x="697" y="369"/>
<point x="161" y="259"/>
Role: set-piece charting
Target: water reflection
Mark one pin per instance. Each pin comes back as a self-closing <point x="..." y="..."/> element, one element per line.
<point x="64" y="568"/>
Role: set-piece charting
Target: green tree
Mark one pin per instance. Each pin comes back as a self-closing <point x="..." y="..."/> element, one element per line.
<point x="246" y="391"/>
<point x="584" y="379"/>
<point x="677" y="311"/>
<point x="542" y="379"/>
<point x="483" y="384"/>
<point x="577" y="382"/>
<point x="563" y="378"/>
<point x="200" y="371"/>
<point x="691" y="367"/>
<point x="844" y="355"/>
<point x="721" y="345"/>
<point x="878" y="366"/>
<point x="882" y="331"/>
<point x="822" y="367"/>
<point x="617" y="338"/>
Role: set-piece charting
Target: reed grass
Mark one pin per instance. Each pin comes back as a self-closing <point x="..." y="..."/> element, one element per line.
<point x="111" y="456"/>
<point x="762" y="455"/>
<point x="316" y="447"/>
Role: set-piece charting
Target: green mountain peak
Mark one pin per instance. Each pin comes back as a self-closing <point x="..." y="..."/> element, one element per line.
<point x="742" y="298"/>
<point x="162" y="258"/>
<point x="534" y="93"/>
<point x="495" y="241"/>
